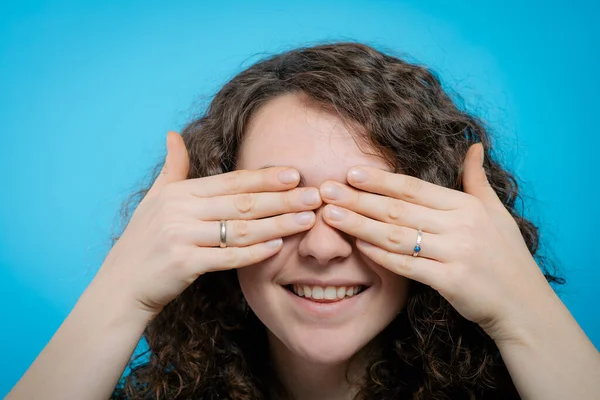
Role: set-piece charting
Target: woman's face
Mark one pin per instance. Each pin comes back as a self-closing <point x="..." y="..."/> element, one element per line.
<point x="289" y="132"/>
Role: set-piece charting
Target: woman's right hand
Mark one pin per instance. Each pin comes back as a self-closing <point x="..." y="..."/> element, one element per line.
<point x="173" y="236"/>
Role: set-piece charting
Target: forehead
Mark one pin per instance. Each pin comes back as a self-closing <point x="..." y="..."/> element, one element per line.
<point x="289" y="131"/>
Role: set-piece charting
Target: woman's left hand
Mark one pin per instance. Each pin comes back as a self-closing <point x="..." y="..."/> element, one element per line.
<point x="472" y="251"/>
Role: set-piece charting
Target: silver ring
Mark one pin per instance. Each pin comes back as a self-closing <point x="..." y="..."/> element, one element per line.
<point x="417" y="248"/>
<point x="223" y="242"/>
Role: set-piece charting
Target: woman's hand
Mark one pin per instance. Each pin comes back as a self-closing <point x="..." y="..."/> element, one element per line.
<point x="173" y="236"/>
<point x="472" y="251"/>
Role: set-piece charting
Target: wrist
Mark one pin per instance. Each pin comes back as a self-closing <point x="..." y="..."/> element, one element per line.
<point x="109" y="298"/>
<point x="531" y="321"/>
<point x="548" y="355"/>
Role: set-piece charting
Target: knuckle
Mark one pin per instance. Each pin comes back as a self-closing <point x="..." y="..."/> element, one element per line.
<point x="168" y="194"/>
<point x="405" y="265"/>
<point x="464" y="226"/>
<point x="463" y="249"/>
<point x="355" y="221"/>
<point x="177" y="257"/>
<point x="172" y="232"/>
<point x="286" y="200"/>
<point x="171" y="208"/>
<point x="253" y="255"/>
<point x="231" y="258"/>
<point x="396" y="211"/>
<point x="240" y="232"/>
<point x="412" y="187"/>
<point x="457" y="279"/>
<point x="169" y="204"/>
<point x="244" y="203"/>
<point x="396" y="235"/>
<point x="233" y="181"/>
<point x="283" y="222"/>
<point x="472" y="216"/>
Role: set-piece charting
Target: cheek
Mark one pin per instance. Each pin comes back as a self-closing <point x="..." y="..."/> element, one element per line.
<point x="251" y="278"/>
<point x="262" y="294"/>
<point x="394" y="290"/>
<point x="259" y="279"/>
<point x="256" y="281"/>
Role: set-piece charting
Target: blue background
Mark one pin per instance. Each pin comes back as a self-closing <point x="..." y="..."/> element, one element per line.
<point x="89" y="89"/>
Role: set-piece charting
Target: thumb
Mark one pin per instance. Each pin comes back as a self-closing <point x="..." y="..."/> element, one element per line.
<point x="176" y="166"/>
<point x="475" y="181"/>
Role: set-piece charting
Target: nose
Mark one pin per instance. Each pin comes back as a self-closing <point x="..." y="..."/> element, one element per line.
<point x="323" y="243"/>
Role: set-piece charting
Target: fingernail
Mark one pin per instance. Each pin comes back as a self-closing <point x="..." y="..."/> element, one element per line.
<point x="304" y="217"/>
<point x="273" y="244"/>
<point x="288" y="176"/>
<point x="337" y="213"/>
<point x="331" y="191"/>
<point x="358" y="175"/>
<point x="311" y="196"/>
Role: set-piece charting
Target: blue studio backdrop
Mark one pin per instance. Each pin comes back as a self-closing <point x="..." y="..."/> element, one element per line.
<point x="88" y="90"/>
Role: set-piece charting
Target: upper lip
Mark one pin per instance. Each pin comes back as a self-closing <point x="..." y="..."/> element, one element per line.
<point x="333" y="282"/>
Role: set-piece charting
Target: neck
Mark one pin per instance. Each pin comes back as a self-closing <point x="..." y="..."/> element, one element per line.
<point x="305" y="380"/>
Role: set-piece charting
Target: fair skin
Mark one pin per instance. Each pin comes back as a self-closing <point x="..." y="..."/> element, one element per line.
<point x="473" y="254"/>
<point x="306" y="342"/>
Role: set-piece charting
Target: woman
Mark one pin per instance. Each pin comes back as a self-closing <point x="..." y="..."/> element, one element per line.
<point x="404" y="271"/>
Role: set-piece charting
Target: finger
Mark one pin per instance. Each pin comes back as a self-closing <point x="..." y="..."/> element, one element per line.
<point x="384" y="208"/>
<point x="176" y="166"/>
<point x="207" y="259"/>
<point x="405" y="187"/>
<point x="256" y="205"/>
<point x="475" y="180"/>
<point x="424" y="270"/>
<point x="398" y="239"/>
<point x="241" y="233"/>
<point x="271" y="179"/>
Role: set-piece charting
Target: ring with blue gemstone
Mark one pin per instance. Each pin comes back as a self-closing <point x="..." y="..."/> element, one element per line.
<point x="417" y="248"/>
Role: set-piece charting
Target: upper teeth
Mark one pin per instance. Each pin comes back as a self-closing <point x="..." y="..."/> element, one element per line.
<point x="329" y="292"/>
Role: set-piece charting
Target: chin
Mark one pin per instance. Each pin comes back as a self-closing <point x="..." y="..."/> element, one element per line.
<point x="326" y="346"/>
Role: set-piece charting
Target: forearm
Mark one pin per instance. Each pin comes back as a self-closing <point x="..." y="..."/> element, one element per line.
<point x="552" y="357"/>
<point x="87" y="355"/>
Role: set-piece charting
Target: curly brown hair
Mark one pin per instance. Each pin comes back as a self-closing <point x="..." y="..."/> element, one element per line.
<point x="204" y="345"/>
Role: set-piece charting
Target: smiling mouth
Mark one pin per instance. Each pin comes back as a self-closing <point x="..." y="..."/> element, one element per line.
<point x="327" y="294"/>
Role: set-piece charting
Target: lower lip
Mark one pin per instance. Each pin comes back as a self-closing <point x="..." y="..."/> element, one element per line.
<point x="325" y="310"/>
